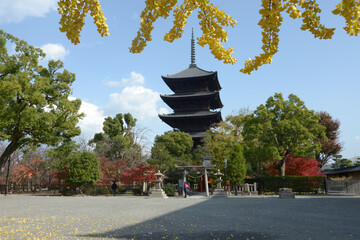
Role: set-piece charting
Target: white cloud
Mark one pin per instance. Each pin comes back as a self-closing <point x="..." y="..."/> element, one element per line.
<point x="141" y="102"/>
<point x="134" y="80"/>
<point x="357" y="138"/>
<point x="137" y="100"/>
<point x="134" y="98"/>
<point x="54" y="51"/>
<point x="18" y="10"/>
<point x="93" y="121"/>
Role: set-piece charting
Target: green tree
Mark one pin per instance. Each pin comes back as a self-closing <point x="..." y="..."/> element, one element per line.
<point x="340" y="162"/>
<point x="282" y="127"/>
<point x="118" y="140"/>
<point x="170" y="149"/>
<point x="219" y="144"/>
<point x="57" y="154"/>
<point x="34" y="101"/>
<point x="82" y="169"/>
<point x="357" y="162"/>
<point x="236" y="165"/>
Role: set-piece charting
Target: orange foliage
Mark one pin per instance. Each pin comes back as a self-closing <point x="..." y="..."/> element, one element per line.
<point x="28" y="171"/>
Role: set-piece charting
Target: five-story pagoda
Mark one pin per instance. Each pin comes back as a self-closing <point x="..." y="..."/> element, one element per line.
<point x="195" y="100"/>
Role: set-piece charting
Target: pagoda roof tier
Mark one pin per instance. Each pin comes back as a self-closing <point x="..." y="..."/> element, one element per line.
<point x="198" y="135"/>
<point x="196" y="114"/>
<point x="192" y="79"/>
<point x="191" y="72"/>
<point x="193" y="101"/>
<point x="192" y="121"/>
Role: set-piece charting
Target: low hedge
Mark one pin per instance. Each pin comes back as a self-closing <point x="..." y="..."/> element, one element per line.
<point x="169" y="191"/>
<point x="301" y="184"/>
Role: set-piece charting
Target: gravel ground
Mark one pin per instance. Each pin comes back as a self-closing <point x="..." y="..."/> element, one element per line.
<point x="125" y="217"/>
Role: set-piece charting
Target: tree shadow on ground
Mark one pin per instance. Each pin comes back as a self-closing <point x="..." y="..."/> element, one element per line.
<point x="250" y="219"/>
<point x="210" y="219"/>
<point x="193" y="236"/>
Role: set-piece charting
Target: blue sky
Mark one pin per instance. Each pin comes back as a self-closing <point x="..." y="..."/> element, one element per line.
<point x="110" y="80"/>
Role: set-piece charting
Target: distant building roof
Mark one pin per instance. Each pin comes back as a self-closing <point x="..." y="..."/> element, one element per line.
<point x="342" y="170"/>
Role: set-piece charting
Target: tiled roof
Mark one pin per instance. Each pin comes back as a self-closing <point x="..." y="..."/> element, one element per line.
<point x="343" y="170"/>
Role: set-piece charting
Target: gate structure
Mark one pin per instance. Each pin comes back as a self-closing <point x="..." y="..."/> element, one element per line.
<point x="343" y="186"/>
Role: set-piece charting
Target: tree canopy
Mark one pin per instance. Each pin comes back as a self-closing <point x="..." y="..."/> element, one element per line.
<point x="298" y="167"/>
<point x="282" y="127"/>
<point x="236" y="166"/>
<point x="340" y="162"/>
<point x="81" y="169"/>
<point x="118" y="140"/>
<point x="212" y="21"/>
<point x="34" y="101"/>
<point x="331" y="146"/>
<point x="220" y="142"/>
<point x="170" y="149"/>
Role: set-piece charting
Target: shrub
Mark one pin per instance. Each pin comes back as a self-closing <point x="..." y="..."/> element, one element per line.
<point x="103" y="190"/>
<point x="170" y="191"/>
<point x="89" y="191"/>
<point x="136" y="191"/>
<point x="121" y="190"/>
<point x="66" y="191"/>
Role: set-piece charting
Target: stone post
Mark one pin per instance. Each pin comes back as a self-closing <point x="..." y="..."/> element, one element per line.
<point x="206" y="183"/>
<point x="286" y="193"/>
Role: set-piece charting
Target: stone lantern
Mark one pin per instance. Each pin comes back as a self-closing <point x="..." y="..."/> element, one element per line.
<point x="157" y="190"/>
<point x="218" y="175"/>
<point x="158" y="180"/>
<point x="219" y="192"/>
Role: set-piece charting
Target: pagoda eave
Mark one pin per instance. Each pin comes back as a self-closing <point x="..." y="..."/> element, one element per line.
<point x="193" y="100"/>
<point x="192" y="122"/>
<point x="197" y="83"/>
<point x="191" y="72"/>
<point x="192" y="115"/>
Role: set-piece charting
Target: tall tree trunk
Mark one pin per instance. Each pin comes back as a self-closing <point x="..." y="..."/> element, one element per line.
<point x="7" y="176"/>
<point x="13" y="145"/>
<point x="282" y="167"/>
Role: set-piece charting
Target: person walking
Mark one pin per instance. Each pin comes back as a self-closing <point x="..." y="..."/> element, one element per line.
<point x="114" y="187"/>
<point x="186" y="189"/>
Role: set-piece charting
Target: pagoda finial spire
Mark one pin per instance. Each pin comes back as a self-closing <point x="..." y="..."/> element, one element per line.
<point x="193" y="64"/>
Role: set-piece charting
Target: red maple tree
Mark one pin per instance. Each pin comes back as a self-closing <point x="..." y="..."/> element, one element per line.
<point x="138" y="174"/>
<point x="296" y="166"/>
<point x="110" y="170"/>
